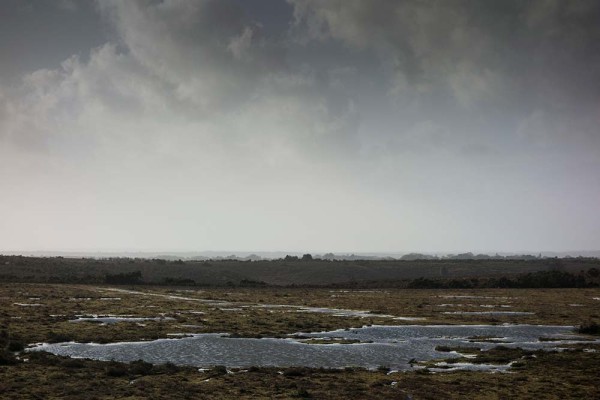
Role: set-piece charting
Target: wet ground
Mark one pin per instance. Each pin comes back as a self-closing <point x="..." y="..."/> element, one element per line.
<point x="442" y="330"/>
<point x="371" y="347"/>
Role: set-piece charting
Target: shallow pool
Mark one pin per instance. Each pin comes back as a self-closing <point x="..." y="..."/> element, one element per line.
<point x="391" y="346"/>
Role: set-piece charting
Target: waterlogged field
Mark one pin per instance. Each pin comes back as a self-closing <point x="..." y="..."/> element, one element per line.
<point x="271" y="342"/>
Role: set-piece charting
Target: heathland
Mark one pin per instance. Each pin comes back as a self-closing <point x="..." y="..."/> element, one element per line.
<point x="242" y="300"/>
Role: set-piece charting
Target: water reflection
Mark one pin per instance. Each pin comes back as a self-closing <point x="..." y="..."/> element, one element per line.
<point x="392" y="346"/>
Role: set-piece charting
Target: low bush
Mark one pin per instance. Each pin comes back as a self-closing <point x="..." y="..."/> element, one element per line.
<point x="294" y="372"/>
<point x="54" y="337"/>
<point x="73" y="363"/>
<point x="16" y="345"/>
<point x="7" y="358"/>
<point x="116" y="369"/>
<point x="589" y="328"/>
<point x="140" y="367"/>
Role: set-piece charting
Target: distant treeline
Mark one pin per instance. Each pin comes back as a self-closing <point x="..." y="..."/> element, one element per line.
<point x="126" y="278"/>
<point x="532" y="280"/>
<point x="304" y="271"/>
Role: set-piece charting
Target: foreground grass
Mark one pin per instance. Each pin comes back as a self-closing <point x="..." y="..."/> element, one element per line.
<point x="569" y="374"/>
<point x="41" y="313"/>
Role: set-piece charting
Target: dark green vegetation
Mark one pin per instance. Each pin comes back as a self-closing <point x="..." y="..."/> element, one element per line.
<point x="306" y="271"/>
<point x="530" y="280"/>
<point x="589" y="328"/>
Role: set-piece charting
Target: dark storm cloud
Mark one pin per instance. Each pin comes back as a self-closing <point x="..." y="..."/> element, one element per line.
<point x="309" y="125"/>
<point x="210" y="52"/>
<point x="40" y="33"/>
<point x="515" y="63"/>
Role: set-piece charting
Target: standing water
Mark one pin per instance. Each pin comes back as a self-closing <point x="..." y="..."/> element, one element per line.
<point x="370" y="347"/>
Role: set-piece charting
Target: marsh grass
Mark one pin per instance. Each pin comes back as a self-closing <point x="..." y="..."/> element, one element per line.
<point x="571" y="373"/>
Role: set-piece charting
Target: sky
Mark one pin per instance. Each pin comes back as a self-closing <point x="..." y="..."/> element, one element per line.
<point x="300" y="125"/>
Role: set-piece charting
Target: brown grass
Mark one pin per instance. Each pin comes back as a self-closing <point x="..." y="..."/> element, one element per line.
<point x="569" y="374"/>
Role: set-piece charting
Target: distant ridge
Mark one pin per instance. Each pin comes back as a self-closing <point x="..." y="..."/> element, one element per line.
<point x="272" y="255"/>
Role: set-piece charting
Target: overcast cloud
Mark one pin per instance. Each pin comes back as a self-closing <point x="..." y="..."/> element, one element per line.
<point x="309" y="125"/>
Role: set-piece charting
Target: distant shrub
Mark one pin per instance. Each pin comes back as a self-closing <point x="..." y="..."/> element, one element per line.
<point x="219" y="370"/>
<point x="303" y="393"/>
<point x="4" y="338"/>
<point x="251" y="283"/>
<point x="44" y="358"/>
<point x="424" y="283"/>
<point x="383" y="368"/>
<point x="73" y="363"/>
<point x="140" y="367"/>
<point x="126" y="278"/>
<point x="294" y="372"/>
<point x="590" y="328"/>
<point x="179" y="282"/>
<point x="15" y="345"/>
<point x="116" y="369"/>
<point x="170" y="367"/>
<point x="54" y="337"/>
<point x="7" y="358"/>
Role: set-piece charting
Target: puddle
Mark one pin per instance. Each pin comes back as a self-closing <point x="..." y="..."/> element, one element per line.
<point x="371" y="347"/>
<point x="272" y="306"/>
<point x="473" y="305"/>
<point x="453" y="296"/>
<point x="138" y="293"/>
<point x="443" y="366"/>
<point x="494" y="305"/>
<point x="110" y="319"/>
<point x="487" y="339"/>
<point x="232" y="305"/>
<point x="488" y="312"/>
<point x="409" y="318"/>
<point x="338" y="312"/>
